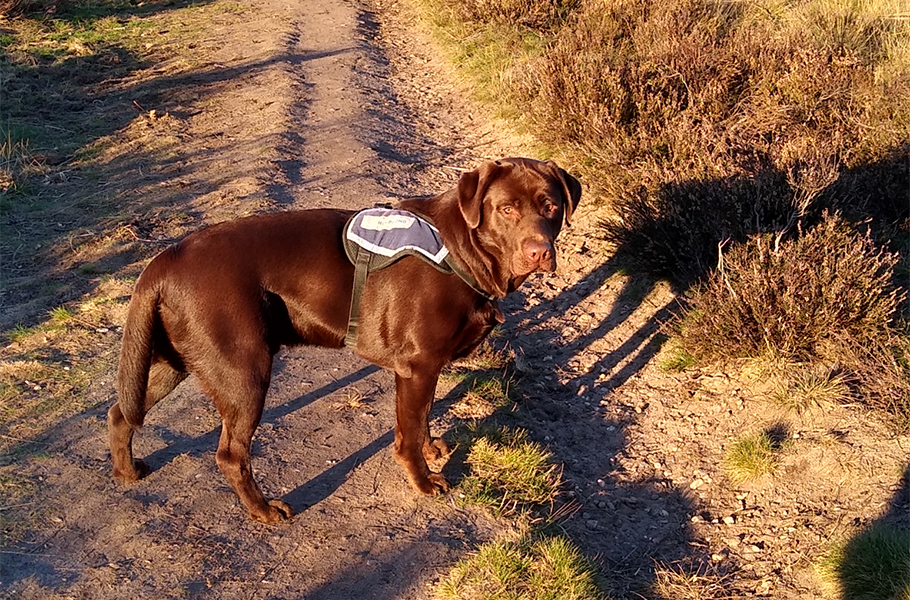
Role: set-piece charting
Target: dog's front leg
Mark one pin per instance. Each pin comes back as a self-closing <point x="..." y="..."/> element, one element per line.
<point x="413" y="400"/>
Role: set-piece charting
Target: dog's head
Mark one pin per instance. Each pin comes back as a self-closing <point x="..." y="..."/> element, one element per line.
<point x="515" y="208"/>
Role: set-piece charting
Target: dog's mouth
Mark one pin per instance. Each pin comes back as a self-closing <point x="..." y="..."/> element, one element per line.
<point x="522" y="267"/>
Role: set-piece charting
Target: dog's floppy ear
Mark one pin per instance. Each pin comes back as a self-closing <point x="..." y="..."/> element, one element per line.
<point x="571" y="189"/>
<point x="472" y="187"/>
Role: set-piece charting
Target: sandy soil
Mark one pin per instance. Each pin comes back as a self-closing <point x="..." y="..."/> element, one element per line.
<point x="286" y="104"/>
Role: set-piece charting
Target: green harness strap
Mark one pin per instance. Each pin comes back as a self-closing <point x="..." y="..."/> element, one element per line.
<point x="361" y="269"/>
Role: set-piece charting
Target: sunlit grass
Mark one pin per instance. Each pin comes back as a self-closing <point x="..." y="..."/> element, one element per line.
<point x="507" y="472"/>
<point x="544" y="568"/>
<point x="702" y="581"/>
<point x="751" y="456"/>
<point x="812" y="387"/>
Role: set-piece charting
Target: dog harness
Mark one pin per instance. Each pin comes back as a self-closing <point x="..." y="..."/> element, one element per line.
<point x="377" y="237"/>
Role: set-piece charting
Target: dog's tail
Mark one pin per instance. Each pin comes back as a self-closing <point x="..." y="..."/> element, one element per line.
<point x="136" y="353"/>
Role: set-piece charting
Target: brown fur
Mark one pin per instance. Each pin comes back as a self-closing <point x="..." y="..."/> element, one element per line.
<point x="220" y="304"/>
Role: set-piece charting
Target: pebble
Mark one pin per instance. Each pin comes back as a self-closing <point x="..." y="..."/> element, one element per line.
<point x="592" y="524"/>
<point x="697" y="483"/>
<point x="730" y="520"/>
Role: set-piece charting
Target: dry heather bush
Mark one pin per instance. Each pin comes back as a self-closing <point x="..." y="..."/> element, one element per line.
<point x="827" y="285"/>
<point x="826" y="296"/>
<point x="883" y="368"/>
<point x="695" y="97"/>
<point x="538" y="15"/>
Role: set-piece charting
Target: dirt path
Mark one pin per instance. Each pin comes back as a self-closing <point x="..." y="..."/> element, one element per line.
<point x="320" y="103"/>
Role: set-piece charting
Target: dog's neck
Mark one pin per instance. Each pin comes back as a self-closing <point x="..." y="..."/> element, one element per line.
<point x="463" y="243"/>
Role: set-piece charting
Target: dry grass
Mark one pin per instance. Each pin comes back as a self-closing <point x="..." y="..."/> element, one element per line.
<point x="352" y="399"/>
<point x="15" y="8"/>
<point x="487" y="357"/>
<point x="16" y="163"/>
<point x="703" y="581"/>
<point x="534" y="14"/>
<point x="47" y="371"/>
<point x="812" y="386"/>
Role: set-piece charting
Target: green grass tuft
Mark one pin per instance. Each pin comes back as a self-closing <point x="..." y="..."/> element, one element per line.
<point x="677" y="360"/>
<point x="61" y="314"/>
<point x="546" y="568"/>
<point x="18" y="332"/>
<point x="509" y="473"/>
<point x="873" y="565"/>
<point x="751" y="456"/>
<point x="487" y="357"/>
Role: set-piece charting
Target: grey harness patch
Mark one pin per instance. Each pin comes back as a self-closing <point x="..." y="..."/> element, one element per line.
<point x="377" y="237"/>
<point x="389" y="234"/>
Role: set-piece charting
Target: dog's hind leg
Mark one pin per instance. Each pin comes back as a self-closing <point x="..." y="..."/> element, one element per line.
<point x="240" y="398"/>
<point x="162" y="380"/>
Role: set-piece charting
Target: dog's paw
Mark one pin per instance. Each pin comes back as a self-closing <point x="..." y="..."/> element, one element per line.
<point x="140" y="469"/>
<point x="435" y="449"/>
<point x="439" y="482"/>
<point x="432" y="485"/>
<point x="275" y="512"/>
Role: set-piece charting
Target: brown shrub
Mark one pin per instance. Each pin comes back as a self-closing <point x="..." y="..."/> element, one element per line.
<point x="534" y="14"/>
<point x="818" y="291"/>
<point x="882" y="366"/>
<point x="827" y="296"/>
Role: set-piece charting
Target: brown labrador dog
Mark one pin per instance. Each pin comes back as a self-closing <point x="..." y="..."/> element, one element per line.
<point x="220" y="303"/>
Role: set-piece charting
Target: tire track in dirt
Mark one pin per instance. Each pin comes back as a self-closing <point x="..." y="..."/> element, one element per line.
<point x="331" y="166"/>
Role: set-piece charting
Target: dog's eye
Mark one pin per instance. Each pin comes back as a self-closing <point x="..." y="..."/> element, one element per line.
<point x="508" y="210"/>
<point x="550" y="209"/>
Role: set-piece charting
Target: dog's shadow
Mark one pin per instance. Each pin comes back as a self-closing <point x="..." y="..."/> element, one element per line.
<point x="178" y="444"/>
<point x="328" y="481"/>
